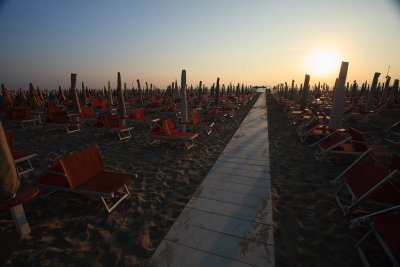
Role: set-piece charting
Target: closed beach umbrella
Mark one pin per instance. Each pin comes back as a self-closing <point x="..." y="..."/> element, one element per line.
<point x="9" y="182"/>
<point x="184" y="108"/>
<point x="75" y="99"/>
<point x="304" y="93"/>
<point x="121" y="99"/>
<point x="385" y="89"/>
<point x="371" y="94"/>
<point x="216" y="94"/>
<point x="336" y="116"/>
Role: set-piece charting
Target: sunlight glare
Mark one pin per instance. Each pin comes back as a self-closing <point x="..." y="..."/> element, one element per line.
<point x="324" y="61"/>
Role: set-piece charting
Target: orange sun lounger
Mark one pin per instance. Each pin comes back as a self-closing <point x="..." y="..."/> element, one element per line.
<point x="20" y="157"/>
<point x="167" y="130"/>
<point x="368" y="179"/>
<point x="384" y="225"/>
<point x="24" y="194"/>
<point x="197" y="122"/>
<point x="112" y="123"/>
<point x="84" y="172"/>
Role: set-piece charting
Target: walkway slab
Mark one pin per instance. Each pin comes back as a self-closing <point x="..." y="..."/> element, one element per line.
<point x="228" y="221"/>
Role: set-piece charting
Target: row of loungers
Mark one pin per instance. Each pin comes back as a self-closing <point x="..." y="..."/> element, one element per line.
<point x="369" y="182"/>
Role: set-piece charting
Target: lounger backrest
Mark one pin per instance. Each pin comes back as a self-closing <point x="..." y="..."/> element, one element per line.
<point x="103" y="105"/>
<point x="113" y="120"/>
<point x="358" y="139"/>
<point x="140" y="114"/>
<point x="388" y="227"/>
<point x="82" y="165"/>
<point x="195" y="117"/>
<point x="395" y="164"/>
<point x="169" y="126"/>
<point x="53" y="107"/>
<point x="87" y="112"/>
<point x="17" y="113"/>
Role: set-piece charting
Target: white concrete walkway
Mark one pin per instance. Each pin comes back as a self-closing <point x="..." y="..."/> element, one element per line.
<point x="228" y="222"/>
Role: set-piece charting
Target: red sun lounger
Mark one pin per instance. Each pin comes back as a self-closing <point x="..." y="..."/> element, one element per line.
<point x="384" y="226"/>
<point x="20" y="157"/>
<point x="111" y="122"/>
<point x="84" y="172"/>
<point x="196" y="122"/>
<point x="368" y="179"/>
<point x="167" y="130"/>
<point x="24" y="194"/>
<point x="339" y="142"/>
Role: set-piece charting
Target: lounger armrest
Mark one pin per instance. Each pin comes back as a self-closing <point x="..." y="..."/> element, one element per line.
<point x="357" y="221"/>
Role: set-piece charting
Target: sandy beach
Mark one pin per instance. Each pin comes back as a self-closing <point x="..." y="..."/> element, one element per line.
<point x="73" y="229"/>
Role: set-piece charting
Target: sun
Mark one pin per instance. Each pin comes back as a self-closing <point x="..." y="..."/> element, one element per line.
<point x="323" y="61"/>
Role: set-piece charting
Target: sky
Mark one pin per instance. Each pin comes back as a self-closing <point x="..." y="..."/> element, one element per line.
<point x="254" y="42"/>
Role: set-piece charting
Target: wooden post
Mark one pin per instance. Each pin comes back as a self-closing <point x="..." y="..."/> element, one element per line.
<point x="336" y="116"/>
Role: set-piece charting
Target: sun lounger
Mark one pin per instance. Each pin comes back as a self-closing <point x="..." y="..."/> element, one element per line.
<point x="196" y="122"/>
<point x="111" y="122"/>
<point x="84" y="172"/>
<point x="22" y="159"/>
<point x="23" y="195"/>
<point x="139" y="116"/>
<point x="22" y="115"/>
<point x="214" y="114"/>
<point x="384" y="226"/>
<point x="368" y="179"/>
<point x="166" y="130"/>
<point x="341" y="142"/>
<point x="394" y="134"/>
<point x="63" y="118"/>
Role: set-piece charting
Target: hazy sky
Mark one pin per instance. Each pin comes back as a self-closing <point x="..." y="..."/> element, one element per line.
<point x="248" y="41"/>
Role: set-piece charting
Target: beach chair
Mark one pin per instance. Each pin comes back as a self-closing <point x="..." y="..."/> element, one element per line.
<point x="21" y="159"/>
<point x="214" y="114"/>
<point x="84" y="172"/>
<point x="393" y="135"/>
<point x="22" y="115"/>
<point x="139" y="116"/>
<point x="305" y="130"/>
<point x="14" y="204"/>
<point x="384" y="226"/>
<point x="63" y="118"/>
<point x="111" y="122"/>
<point x="368" y="179"/>
<point x="166" y="130"/>
<point x="341" y="142"/>
<point x="197" y="122"/>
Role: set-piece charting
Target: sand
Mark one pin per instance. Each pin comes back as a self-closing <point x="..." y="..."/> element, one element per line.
<point x="309" y="229"/>
<point x="75" y="230"/>
<point x="72" y="229"/>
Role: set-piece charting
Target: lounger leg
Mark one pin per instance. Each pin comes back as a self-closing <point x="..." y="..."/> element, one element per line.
<point x="189" y="144"/>
<point x="110" y="209"/>
<point x="30" y="169"/>
<point x="361" y="252"/>
<point x="21" y="223"/>
<point x="122" y="137"/>
<point x="72" y="129"/>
